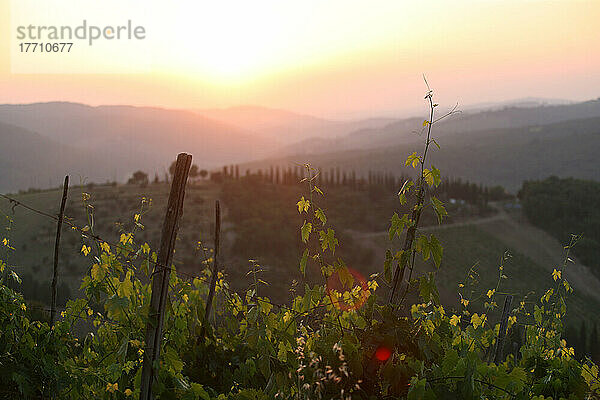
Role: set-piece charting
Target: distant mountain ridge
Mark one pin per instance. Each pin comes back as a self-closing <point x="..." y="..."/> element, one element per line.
<point x="130" y="138"/>
<point x="30" y="160"/>
<point x="285" y="127"/>
<point x="492" y="157"/>
<point x="524" y="102"/>
<point x="407" y="130"/>
<point x="110" y="142"/>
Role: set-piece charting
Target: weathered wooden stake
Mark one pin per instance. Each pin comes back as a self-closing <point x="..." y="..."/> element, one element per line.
<point x="215" y="269"/>
<point x="160" y="276"/>
<point x="502" y="332"/>
<point x="56" y="248"/>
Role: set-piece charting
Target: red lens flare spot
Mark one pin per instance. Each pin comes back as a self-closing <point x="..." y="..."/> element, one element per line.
<point x="383" y="353"/>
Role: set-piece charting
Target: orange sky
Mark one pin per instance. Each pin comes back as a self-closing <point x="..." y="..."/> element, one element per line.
<point x="335" y="58"/>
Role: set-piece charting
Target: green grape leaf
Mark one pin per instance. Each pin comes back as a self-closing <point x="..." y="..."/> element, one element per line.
<point x="439" y="209"/>
<point x="436" y="250"/>
<point x="303" y="261"/>
<point x="320" y="214"/>
<point x="305" y="231"/>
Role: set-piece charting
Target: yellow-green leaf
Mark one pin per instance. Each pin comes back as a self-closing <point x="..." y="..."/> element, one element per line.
<point x="305" y="231"/>
<point x="454" y="320"/>
<point x="86" y="250"/>
<point x="428" y="176"/>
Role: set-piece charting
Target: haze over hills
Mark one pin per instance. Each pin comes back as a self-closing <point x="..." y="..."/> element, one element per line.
<point x="30" y="160"/>
<point x="521" y="103"/>
<point x="493" y="157"/>
<point x="110" y="142"/>
<point x="129" y="138"/>
<point x="406" y="131"/>
<point x="123" y="139"/>
<point x="286" y="127"/>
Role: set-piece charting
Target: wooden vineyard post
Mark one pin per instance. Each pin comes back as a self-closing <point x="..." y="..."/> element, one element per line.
<point x="502" y="332"/>
<point x="160" y="276"/>
<point x="215" y="269"/>
<point x="56" y="248"/>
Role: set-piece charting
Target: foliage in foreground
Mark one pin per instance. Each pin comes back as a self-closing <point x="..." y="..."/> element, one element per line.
<point x="335" y="339"/>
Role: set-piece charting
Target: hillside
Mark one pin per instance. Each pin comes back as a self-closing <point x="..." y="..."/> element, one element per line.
<point x="32" y="235"/>
<point x="123" y="139"/>
<point x="130" y="138"/>
<point x="504" y="157"/>
<point x="404" y="131"/>
<point x="285" y="127"/>
<point x="471" y="236"/>
<point x="30" y="160"/>
<point x="563" y="207"/>
<point x="480" y="243"/>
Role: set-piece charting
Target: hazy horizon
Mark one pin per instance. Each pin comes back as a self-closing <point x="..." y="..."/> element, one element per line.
<point x="337" y="60"/>
<point x="392" y="114"/>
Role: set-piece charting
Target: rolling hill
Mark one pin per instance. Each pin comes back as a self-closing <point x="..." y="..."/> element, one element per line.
<point x="504" y="157"/>
<point x="30" y="160"/>
<point x="475" y="240"/>
<point x="285" y="127"/>
<point x="406" y="130"/>
<point x="498" y="146"/>
<point x="129" y="138"/>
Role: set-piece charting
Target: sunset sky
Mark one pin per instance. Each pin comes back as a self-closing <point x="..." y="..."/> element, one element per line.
<point x="337" y="59"/>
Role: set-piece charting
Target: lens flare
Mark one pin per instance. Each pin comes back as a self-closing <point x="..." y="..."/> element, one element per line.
<point x="383" y="353"/>
<point x="337" y="286"/>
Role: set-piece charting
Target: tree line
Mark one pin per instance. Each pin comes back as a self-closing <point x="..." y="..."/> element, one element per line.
<point x="141" y="178"/>
<point x="452" y="188"/>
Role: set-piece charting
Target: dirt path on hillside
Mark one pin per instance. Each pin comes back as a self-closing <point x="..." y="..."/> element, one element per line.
<point x="479" y="221"/>
<point x="516" y="233"/>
